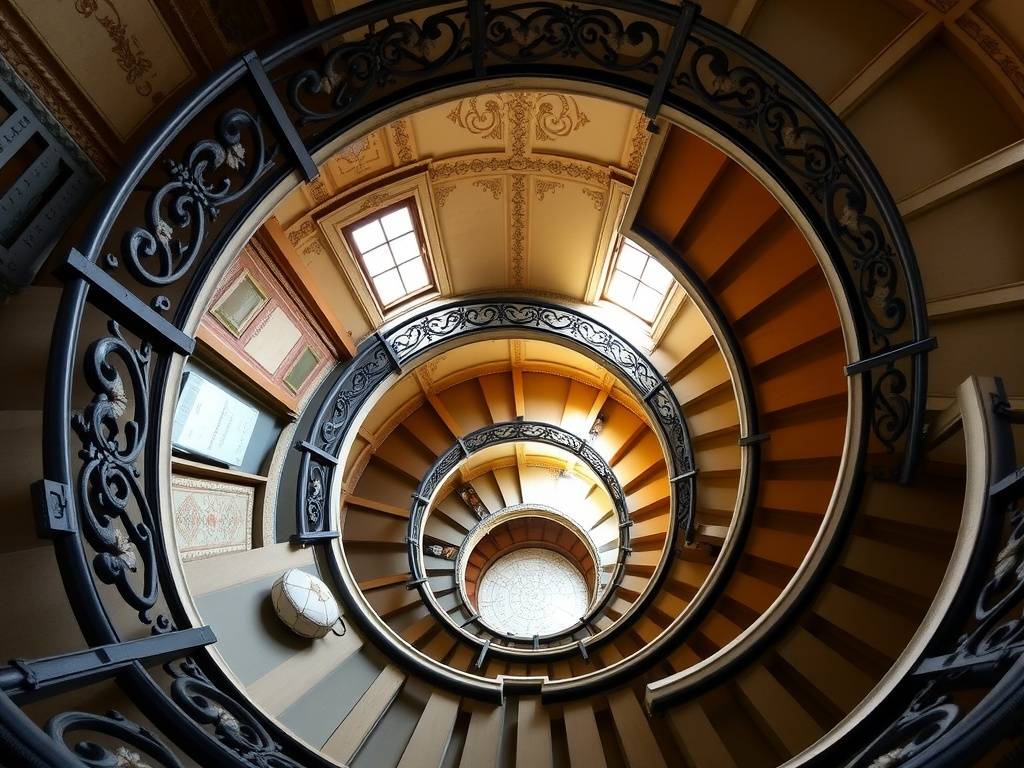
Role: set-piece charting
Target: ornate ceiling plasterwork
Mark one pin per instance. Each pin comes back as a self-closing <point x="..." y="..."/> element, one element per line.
<point x="995" y="48"/>
<point x="523" y="161"/>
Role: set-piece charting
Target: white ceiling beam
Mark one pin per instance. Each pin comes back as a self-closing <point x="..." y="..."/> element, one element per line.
<point x="961" y="181"/>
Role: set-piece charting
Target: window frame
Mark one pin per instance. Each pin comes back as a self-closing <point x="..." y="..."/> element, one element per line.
<point x="614" y="266"/>
<point x="408" y="203"/>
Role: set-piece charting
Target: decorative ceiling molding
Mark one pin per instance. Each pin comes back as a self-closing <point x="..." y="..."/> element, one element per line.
<point x="482" y="116"/>
<point x="577" y="170"/>
<point x="495" y="186"/>
<point x="544" y="186"/>
<point x="636" y="144"/>
<point x="400" y="137"/>
<point x="596" y="196"/>
<point x="75" y="115"/>
<point x="441" y="194"/>
<point x="519" y="222"/>
<point x="993" y="46"/>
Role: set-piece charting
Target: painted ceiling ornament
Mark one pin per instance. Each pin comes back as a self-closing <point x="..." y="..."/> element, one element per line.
<point x="557" y="116"/>
<point x="481" y="116"/>
<point x="304" y="603"/>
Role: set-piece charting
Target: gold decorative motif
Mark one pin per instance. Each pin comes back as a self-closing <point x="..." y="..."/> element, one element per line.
<point x="318" y="192"/>
<point x="441" y="194"/>
<point x="520" y="107"/>
<point x="584" y="172"/>
<point x="313" y="247"/>
<point x="494" y="186"/>
<point x="639" y="138"/>
<point x="995" y="48"/>
<point x="543" y="186"/>
<point x="481" y="118"/>
<point x="520" y="217"/>
<point x="374" y="200"/>
<point x="130" y="57"/>
<point x="556" y="116"/>
<point x="353" y="153"/>
<point x="297" y="234"/>
<point x="402" y="141"/>
<point x="53" y="93"/>
<point x="596" y="197"/>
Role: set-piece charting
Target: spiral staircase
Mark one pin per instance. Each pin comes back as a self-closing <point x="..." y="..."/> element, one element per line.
<point x="789" y="506"/>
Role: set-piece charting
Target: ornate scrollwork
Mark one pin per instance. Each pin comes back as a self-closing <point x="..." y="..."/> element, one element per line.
<point x="230" y="723"/>
<point x="140" y="750"/>
<point x="356" y="384"/>
<point x="108" y="481"/>
<point x="512" y="432"/>
<point x="215" y="172"/>
<point x="810" y="153"/>
<point x="981" y="655"/>
<point x="404" y="342"/>
<point x="891" y="406"/>
<point x="350" y="71"/>
<point x="532" y="32"/>
<point x="412" y="338"/>
<point x="316" y="495"/>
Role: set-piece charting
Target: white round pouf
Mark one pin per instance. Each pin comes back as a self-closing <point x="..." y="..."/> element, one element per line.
<point x="304" y="603"/>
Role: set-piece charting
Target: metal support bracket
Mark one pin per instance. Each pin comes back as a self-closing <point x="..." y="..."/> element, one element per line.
<point x="483" y="654"/>
<point x="654" y="392"/>
<point x="395" y="362"/>
<point x="896" y="353"/>
<point x="321" y="454"/>
<point x="52" y="501"/>
<point x="285" y="127"/>
<point x="126" y="308"/>
<point x="477" y="33"/>
<point x="313" y="537"/>
<point x="583" y="650"/>
<point x="683" y="476"/>
<point x="29" y="680"/>
<point x="754" y="439"/>
<point x="673" y="53"/>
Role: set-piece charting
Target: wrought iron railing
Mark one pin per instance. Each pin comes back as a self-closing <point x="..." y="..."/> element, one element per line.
<point x="398" y="349"/>
<point x="539" y="647"/>
<point x="962" y="693"/>
<point x="191" y="190"/>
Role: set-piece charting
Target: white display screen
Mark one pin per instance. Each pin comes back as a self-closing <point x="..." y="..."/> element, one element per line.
<point x="212" y="422"/>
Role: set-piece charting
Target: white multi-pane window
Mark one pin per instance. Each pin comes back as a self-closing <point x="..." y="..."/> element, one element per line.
<point x="390" y="250"/>
<point x="638" y="282"/>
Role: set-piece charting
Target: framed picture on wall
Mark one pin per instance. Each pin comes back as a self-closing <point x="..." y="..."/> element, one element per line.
<point x="212" y="422"/>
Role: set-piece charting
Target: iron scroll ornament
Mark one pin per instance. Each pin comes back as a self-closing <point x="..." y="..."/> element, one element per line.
<point x="390" y="351"/>
<point x="181" y="243"/>
<point x="498" y="434"/>
<point x="717" y="78"/>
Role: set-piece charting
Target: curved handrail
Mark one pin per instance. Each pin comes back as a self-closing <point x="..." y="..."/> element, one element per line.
<point x="255" y="139"/>
<point x="949" y="648"/>
<point x="497" y="434"/>
<point x="394" y="349"/>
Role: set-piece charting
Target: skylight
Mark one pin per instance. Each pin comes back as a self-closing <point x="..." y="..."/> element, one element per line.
<point x="638" y="282"/>
<point x="391" y="253"/>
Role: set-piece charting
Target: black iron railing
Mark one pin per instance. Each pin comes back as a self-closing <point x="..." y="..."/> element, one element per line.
<point x="542" y="646"/>
<point x="167" y="220"/>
